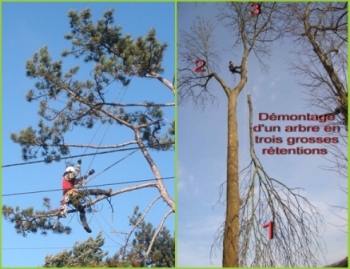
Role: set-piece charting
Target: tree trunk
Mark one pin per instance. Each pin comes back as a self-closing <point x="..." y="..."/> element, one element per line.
<point x="231" y="233"/>
<point x="160" y="184"/>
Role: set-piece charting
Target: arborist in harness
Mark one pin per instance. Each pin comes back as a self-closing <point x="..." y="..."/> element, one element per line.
<point x="73" y="196"/>
<point x="234" y="69"/>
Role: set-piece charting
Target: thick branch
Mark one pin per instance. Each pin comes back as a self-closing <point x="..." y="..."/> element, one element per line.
<point x="222" y="83"/>
<point x="93" y="106"/>
<point x="55" y="213"/>
<point x="140" y="104"/>
<point x="160" y="184"/>
<point x="95" y="147"/>
<point x="162" y="80"/>
<point x="322" y="56"/>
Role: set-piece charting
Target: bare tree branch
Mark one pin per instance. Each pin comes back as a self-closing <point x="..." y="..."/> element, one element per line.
<point x="157" y="232"/>
<point x="297" y="223"/>
<point x="320" y="32"/>
<point x="136" y="225"/>
<point x="26" y="222"/>
<point x="162" y="80"/>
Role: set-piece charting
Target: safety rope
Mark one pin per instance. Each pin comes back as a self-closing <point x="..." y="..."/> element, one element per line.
<point x="94" y="155"/>
<point x="93" y="158"/>
<point x="111" y="165"/>
<point x="123" y="88"/>
<point x="99" y="224"/>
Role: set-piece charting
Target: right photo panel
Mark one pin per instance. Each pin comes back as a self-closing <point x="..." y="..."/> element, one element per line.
<point x="262" y="134"/>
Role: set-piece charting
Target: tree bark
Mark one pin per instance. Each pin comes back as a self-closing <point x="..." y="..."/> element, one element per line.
<point x="160" y="184"/>
<point x="231" y="232"/>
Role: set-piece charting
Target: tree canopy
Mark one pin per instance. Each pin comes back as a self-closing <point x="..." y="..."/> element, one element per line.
<point x="251" y="196"/>
<point x="90" y="254"/>
<point x="80" y="97"/>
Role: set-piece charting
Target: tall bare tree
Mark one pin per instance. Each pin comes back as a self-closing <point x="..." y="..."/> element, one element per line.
<point x="320" y="33"/>
<point x="252" y="34"/>
<point x="241" y="237"/>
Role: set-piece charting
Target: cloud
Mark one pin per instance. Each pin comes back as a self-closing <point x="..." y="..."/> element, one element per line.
<point x="195" y="240"/>
<point x="274" y="82"/>
<point x="183" y="179"/>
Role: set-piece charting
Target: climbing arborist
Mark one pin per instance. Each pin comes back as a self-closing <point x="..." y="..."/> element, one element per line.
<point x="234" y="69"/>
<point x="72" y="195"/>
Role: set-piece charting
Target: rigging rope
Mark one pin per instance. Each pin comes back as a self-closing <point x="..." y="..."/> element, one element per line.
<point x="111" y="165"/>
<point x="115" y="100"/>
<point x="105" y="231"/>
<point x="104" y="135"/>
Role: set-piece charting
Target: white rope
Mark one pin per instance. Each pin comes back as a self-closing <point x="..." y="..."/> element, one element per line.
<point x="111" y="165"/>
<point x="104" y="135"/>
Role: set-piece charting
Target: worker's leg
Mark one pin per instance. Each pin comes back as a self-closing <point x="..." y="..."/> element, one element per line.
<point x="83" y="219"/>
<point x="74" y="200"/>
<point x="63" y="207"/>
<point x="95" y="192"/>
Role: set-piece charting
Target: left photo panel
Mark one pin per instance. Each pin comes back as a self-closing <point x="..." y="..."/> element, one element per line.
<point x="88" y="135"/>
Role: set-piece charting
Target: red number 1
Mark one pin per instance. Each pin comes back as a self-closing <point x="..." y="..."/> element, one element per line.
<point x="269" y="225"/>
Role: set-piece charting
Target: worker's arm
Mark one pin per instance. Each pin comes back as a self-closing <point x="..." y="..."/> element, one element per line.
<point x="80" y="180"/>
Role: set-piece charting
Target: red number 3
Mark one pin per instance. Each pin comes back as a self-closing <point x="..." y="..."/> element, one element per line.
<point x="256" y="9"/>
<point x="199" y="68"/>
<point x="269" y="225"/>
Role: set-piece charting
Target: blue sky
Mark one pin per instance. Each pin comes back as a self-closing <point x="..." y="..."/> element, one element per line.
<point x="201" y="169"/>
<point x="27" y="27"/>
<point x="202" y="150"/>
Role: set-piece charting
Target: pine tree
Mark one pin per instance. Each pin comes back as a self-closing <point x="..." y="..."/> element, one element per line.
<point x="85" y="254"/>
<point x="161" y="253"/>
<point x="113" y="59"/>
<point x="90" y="254"/>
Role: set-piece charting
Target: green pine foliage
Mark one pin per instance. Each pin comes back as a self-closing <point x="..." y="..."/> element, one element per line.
<point x="89" y="253"/>
<point x="162" y="253"/>
<point x="68" y="100"/>
<point x="114" y="58"/>
<point x="85" y="254"/>
<point x="30" y="221"/>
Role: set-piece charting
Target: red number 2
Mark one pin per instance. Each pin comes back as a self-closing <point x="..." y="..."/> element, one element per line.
<point x="199" y="68"/>
<point x="269" y="225"/>
<point x="256" y="9"/>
